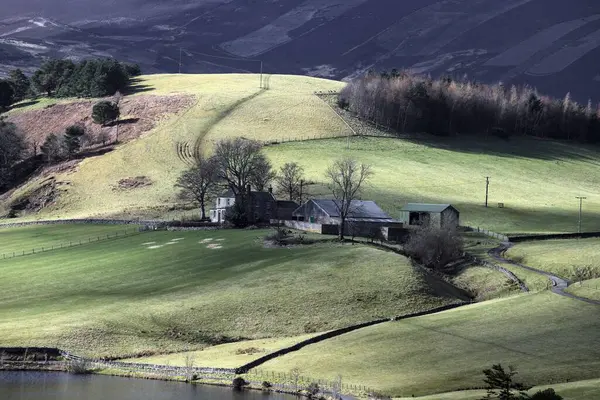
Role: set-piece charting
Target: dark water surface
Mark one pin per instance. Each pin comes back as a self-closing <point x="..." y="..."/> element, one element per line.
<point x="61" y="386"/>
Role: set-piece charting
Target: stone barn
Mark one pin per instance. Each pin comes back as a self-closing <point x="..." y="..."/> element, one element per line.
<point x="438" y="215"/>
<point x="364" y="219"/>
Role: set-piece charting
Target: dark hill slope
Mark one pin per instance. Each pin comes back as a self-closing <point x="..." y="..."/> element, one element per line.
<point x="550" y="44"/>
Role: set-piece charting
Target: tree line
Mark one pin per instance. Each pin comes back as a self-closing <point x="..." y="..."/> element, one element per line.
<point x="408" y="103"/>
<point x="65" y="78"/>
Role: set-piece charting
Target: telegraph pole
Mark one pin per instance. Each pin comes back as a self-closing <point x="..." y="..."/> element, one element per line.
<point x="261" y="74"/>
<point x="180" y="53"/>
<point x="487" y="185"/>
<point x="580" y="205"/>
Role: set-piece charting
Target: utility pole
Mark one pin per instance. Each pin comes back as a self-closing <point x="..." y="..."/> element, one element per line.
<point x="261" y="74"/>
<point x="180" y="54"/>
<point x="580" y="205"/>
<point x="487" y="185"/>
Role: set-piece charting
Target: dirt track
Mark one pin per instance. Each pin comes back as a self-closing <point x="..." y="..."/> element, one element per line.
<point x="558" y="284"/>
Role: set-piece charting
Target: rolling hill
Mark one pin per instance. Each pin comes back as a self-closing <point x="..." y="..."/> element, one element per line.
<point x="196" y="289"/>
<point x="536" y="180"/>
<point x="552" y="45"/>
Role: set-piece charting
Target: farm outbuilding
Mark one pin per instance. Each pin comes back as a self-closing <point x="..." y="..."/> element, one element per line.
<point x="438" y="215"/>
<point x="364" y="219"/>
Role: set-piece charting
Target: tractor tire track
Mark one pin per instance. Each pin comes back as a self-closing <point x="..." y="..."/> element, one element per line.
<point x="194" y="151"/>
<point x="558" y="284"/>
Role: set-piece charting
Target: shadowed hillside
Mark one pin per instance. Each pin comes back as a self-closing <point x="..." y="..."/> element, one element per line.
<point x="549" y="44"/>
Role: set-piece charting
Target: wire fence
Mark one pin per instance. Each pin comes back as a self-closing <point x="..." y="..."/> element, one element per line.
<point x="73" y="243"/>
<point x="489" y="233"/>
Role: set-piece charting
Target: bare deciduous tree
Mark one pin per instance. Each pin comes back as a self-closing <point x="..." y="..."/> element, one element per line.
<point x="289" y="180"/>
<point x="12" y="146"/>
<point x="346" y="178"/>
<point x="239" y="161"/>
<point x="189" y="367"/>
<point x="262" y="175"/>
<point x="199" y="182"/>
<point x="435" y="247"/>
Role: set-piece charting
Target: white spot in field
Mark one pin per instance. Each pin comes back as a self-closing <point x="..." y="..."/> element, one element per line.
<point x="158" y="246"/>
<point x="214" y="246"/>
<point x="148" y="243"/>
<point x="170" y="243"/>
<point x="220" y="240"/>
<point x="176" y="240"/>
<point x="206" y="240"/>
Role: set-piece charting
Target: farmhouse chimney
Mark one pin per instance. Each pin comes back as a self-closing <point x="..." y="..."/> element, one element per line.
<point x="249" y="189"/>
<point x="270" y="189"/>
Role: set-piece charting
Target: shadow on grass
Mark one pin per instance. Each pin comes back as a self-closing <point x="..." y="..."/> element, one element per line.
<point x="125" y="121"/>
<point x="515" y="147"/>
<point x="23" y="104"/>
<point x="511" y="219"/>
<point x="136" y="86"/>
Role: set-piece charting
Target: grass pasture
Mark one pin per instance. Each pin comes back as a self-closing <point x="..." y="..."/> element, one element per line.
<point x="548" y="339"/>
<point x="589" y="289"/>
<point x="175" y="291"/>
<point x="531" y="177"/>
<point x="231" y="104"/>
<point x="561" y="257"/>
<point x="230" y="355"/>
<point x="535" y="179"/>
<point x="579" y="390"/>
<point x="26" y="238"/>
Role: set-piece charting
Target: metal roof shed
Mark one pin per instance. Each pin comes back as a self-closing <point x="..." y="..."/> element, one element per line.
<point x="439" y="215"/>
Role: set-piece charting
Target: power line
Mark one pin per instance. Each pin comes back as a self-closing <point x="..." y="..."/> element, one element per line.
<point x="580" y="206"/>
<point x="487" y="186"/>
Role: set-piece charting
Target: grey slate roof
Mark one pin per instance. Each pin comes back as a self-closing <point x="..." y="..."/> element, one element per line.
<point x="262" y="196"/>
<point x="359" y="209"/>
<point x="287" y="204"/>
<point x="423" y="207"/>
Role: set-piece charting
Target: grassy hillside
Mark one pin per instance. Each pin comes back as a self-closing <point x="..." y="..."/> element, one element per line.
<point x="562" y="257"/>
<point x="225" y="105"/>
<point x="589" y="289"/>
<point x="580" y="390"/>
<point x="535" y="179"/>
<point x="166" y="291"/>
<point x="548" y="338"/>
<point x="24" y="239"/>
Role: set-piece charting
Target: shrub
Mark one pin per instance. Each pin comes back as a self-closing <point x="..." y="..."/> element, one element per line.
<point x="236" y="215"/>
<point x="104" y="112"/>
<point x="78" y="366"/>
<point x="435" y="247"/>
<point x="312" y="390"/>
<point x="279" y="236"/>
<point x="239" y="383"/>
<point x="548" y="394"/>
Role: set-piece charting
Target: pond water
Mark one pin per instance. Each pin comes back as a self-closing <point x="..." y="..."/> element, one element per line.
<point x="17" y="385"/>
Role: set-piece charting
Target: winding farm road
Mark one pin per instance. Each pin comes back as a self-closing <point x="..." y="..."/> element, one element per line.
<point x="558" y="284"/>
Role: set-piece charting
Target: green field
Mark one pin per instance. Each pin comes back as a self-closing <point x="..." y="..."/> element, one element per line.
<point x="580" y="390"/>
<point x="589" y="289"/>
<point x="548" y="338"/>
<point x="535" y="179"/>
<point x="131" y="296"/>
<point x="27" y="238"/>
<point x="532" y="178"/>
<point x="230" y="355"/>
<point x="561" y="257"/>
